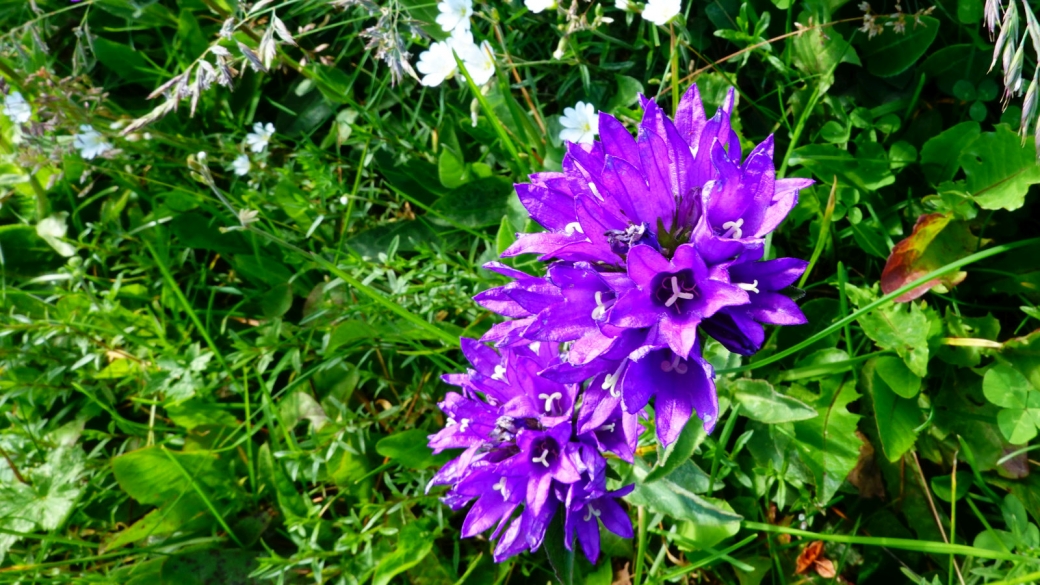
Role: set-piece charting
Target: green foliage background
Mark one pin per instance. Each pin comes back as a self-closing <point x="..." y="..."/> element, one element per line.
<point x="187" y="400"/>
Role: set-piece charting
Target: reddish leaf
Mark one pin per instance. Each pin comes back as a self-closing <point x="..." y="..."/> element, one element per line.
<point x="937" y="240"/>
<point x="808" y="556"/>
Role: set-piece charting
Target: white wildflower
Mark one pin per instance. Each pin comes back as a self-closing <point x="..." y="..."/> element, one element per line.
<point x="247" y="216"/>
<point x="660" y="12"/>
<point x="454" y="14"/>
<point x="623" y="5"/>
<point x="436" y="64"/>
<point x="90" y="143"/>
<point x="258" y="139"/>
<point x="241" y="165"/>
<point x="479" y="61"/>
<point x="863" y="6"/>
<point x="17" y="110"/>
<point x="580" y="123"/>
<point x="537" y="6"/>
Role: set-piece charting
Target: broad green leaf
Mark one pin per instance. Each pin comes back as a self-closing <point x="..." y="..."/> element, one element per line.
<point x="889" y="54"/>
<point x="559" y="551"/>
<point x="506" y="235"/>
<point x="194" y="413"/>
<point x="969" y="11"/>
<point x="148" y="476"/>
<point x="409" y="449"/>
<point x="1020" y="416"/>
<point x="941" y="485"/>
<point x="759" y="401"/>
<point x="277" y="301"/>
<point x="937" y="240"/>
<point x="869" y="170"/>
<point x="999" y="169"/>
<point x="293" y="505"/>
<point x="25" y="254"/>
<point x="124" y="61"/>
<point x="189" y="35"/>
<point x="697" y="536"/>
<point x="678" y="452"/>
<point x="300" y="406"/>
<point x="896" y="417"/>
<point x="167" y="519"/>
<point x="414" y="542"/>
<point x="46" y="500"/>
<point x="1024" y="354"/>
<point x="828" y="443"/>
<point x="901" y="328"/>
<point x="674" y="497"/>
<point x="478" y="203"/>
<point x="818" y="54"/>
<point x="451" y="169"/>
<point x="626" y="95"/>
<point x="898" y="377"/>
<point x="940" y="156"/>
<point x="210" y="567"/>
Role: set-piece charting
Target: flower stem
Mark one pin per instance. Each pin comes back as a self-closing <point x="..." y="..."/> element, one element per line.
<point x="637" y="578"/>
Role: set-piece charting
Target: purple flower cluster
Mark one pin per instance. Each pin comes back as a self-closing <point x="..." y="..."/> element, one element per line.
<point x="650" y="242"/>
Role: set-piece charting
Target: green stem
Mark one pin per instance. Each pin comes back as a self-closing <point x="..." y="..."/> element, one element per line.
<point x="637" y="578"/>
<point x="939" y="548"/>
<point x="499" y="129"/>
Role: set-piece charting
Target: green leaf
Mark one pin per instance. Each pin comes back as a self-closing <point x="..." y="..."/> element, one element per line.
<point x="124" y="61"/>
<point x="941" y="485"/>
<point x="476" y="204"/>
<point x="828" y="443"/>
<point x="890" y="53"/>
<point x="414" y="542"/>
<point x="869" y="170"/>
<point x="194" y="413"/>
<point x="23" y="253"/>
<point x="1020" y="416"/>
<point x="678" y="452"/>
<point x="147" y="476"/>
<point x="506" y="235"/>
<point x="675" y="498"/>
<point x="969" y="11"/>
<point x="999" y="169"/>
<point x="451" y="169"/>
<point x="898" y="377"/>
<point x="627" y="94"/>
<point x="940" y="156"/>
<point x="896" y="417"/>
<point x="817" y="54"/>
<point x="561" y="556"/>
<point x="937" y="240"/>
<point x="987" y="327"/>
<point x="409" y="449"/>
<point x="210" y="567"/>
<point x="293" y="505"/>
<point x="759" y="401"/>
<point x="277" y="301"/>
<point x="901" y="328"/>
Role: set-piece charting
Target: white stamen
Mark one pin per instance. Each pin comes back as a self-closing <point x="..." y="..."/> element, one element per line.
<point x="548" y="398"/>
<point x="464" y="425"/>
<point x="572" y="227"/>
<point x="733" y="229"/>
<point x="595" y="191"/>
<point x="592" y="512"/>
<point x="542" y="458"/>
<point x="753" y="287"/>
<point x="610" y="382"/>
<point x="609" y="428"/>
<point x="674" y="365"/>
<point x="501" y="487"/>
<point x="600" y="309"/>
<point x="451" y="422"/>
<point x="500" y="373"/>
<point x="676" y="293"/>
<point x="535" y="346"/>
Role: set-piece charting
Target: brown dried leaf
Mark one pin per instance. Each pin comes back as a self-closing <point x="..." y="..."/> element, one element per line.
<point x="866" y="475"/>
<point x="808" y="556"/>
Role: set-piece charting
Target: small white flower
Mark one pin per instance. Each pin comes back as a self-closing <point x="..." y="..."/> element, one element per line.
<point x="454" y="14"/>
<point x="261" y="135"/>
<point x="17" y="110"/>
<point x="660" y="12"/>
<point x="241" y="165"/>
<point x="537" y="6"/>
<point x="623" y="5"/>
<point x="247" y="216"/>
<point x="436" y="64"/>
<point x="479" y="61"/>
<point x="89" y="142"/>
<point x="580" y="123"/>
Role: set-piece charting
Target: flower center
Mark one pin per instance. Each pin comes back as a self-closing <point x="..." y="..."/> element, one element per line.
<point x="601" y="306"/>
<point x="621" y="240"/>
<point x="572" y="227"/>
<point x="676" y="365"/>
<point x="591" y="513"/>
<point x="548" y="398"/>
<point x="501" y="487"/>
<point x="500" y="373"/>
<point x="609" y="428"/>
<point x="611" y="380"/>
<point x="675" y="291"/>
<point x="547" y="451"/>
<point x="753" y="287"/>
<point x="733" y="229"/>
<point x="463" y="425"/>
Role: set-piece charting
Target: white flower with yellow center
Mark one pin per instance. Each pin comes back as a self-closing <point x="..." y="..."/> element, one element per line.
<point x="580" y="123"/>
<point x="661" y="12"/>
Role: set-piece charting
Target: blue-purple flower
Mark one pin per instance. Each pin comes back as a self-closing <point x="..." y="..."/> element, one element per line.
<point x="525" y="457"/>
<point x="651" y="242"/>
